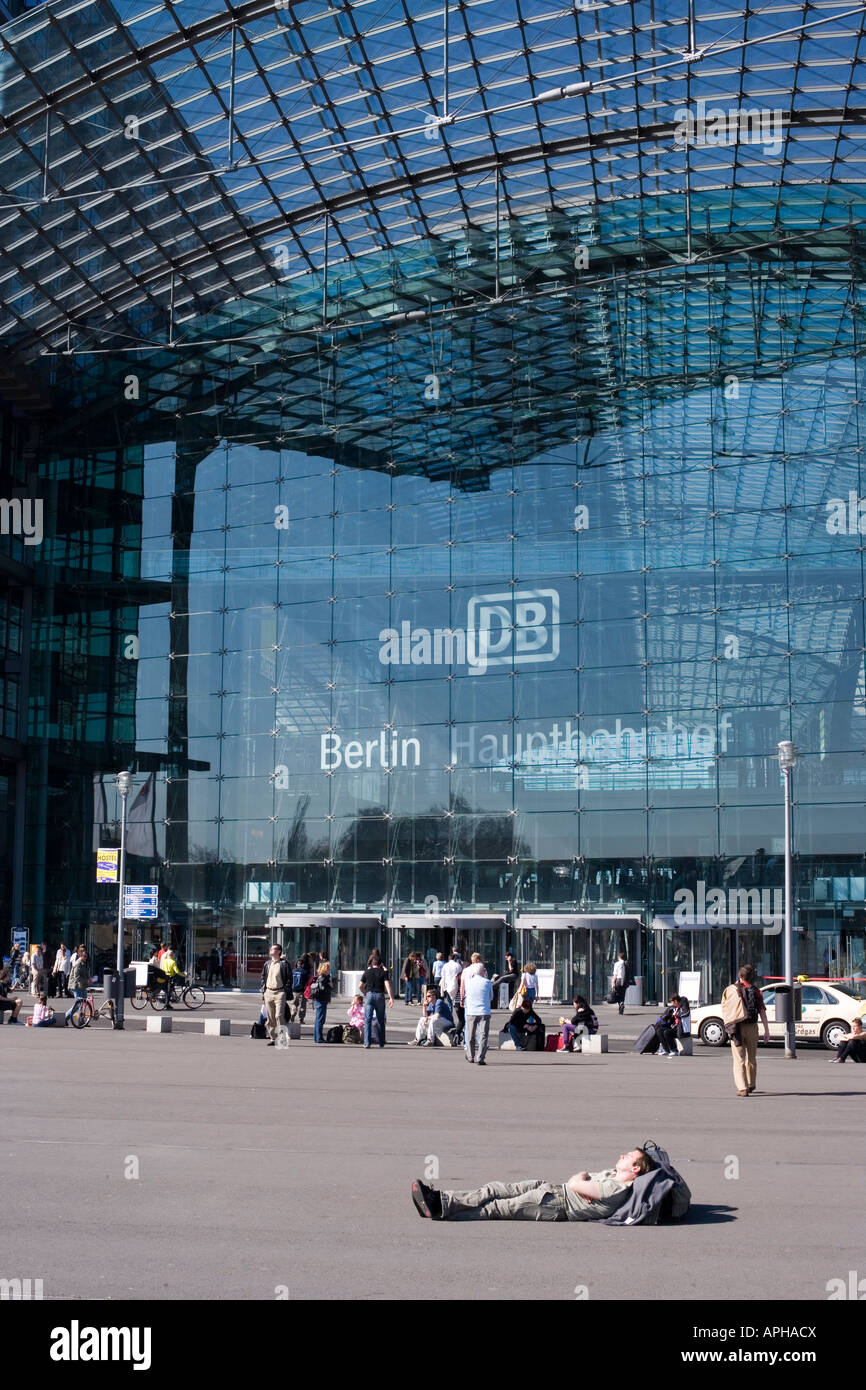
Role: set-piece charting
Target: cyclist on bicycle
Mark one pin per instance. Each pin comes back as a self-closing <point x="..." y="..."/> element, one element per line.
<point x="176" y="977"/>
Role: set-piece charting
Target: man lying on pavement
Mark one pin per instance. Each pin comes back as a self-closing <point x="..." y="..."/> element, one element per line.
<point x="585" y="1197"/>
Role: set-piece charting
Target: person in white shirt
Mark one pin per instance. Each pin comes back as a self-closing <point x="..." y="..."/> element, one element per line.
<point x="477" y="992"/>
<point x="62" y="965"/>
<point x="449" y="985"/>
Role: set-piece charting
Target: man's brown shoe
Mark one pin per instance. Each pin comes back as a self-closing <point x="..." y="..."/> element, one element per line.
<point x="742" y="1093"/>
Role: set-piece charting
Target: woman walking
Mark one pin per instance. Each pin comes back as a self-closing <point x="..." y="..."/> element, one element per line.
<point x="78" y="977"/>
<point x="320" y="993"/>
<point x="528" y="986"/>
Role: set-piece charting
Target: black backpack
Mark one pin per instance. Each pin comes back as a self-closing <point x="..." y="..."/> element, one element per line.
<point x="335" y="1034"/>
<point x="660" y="1195"/>
<point x="258" y="1030"/>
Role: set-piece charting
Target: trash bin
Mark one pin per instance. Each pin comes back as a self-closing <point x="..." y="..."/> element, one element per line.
<point x="504" y="996"/>
<point x="111" y="984"/>
<point x="789" y="1004"/>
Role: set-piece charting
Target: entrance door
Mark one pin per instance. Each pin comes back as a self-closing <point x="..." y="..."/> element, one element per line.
<point x="550" y="950"/>
<point x="414" y="931"/>
<point x="607" y="942"/>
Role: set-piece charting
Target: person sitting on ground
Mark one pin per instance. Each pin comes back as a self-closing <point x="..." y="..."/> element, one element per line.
<point x="434" y="1023"/>
<point x="585" y="1197"/>
<point x="356" y="1013"/>
<point x="43" y="1017"/>
<point x="526" y="1029"/>
<point x="852" y="1044"/>
<point x="7" y="1005"/>
<point x="583" y="1024"/>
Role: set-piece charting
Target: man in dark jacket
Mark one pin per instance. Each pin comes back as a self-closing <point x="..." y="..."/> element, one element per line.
<point x="526" y="1028"/>
<point x="276" y="989"/>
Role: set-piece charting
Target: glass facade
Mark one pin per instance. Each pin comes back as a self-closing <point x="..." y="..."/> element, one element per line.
<point x="466" y="557"/>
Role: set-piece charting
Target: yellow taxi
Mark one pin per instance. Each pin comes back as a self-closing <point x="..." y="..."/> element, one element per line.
<point x="828" y="1012"/>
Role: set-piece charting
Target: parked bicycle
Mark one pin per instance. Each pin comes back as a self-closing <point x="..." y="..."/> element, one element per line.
<point x="86" y="1011"/>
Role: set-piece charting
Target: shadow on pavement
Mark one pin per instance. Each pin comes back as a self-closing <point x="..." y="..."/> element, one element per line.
<point x="708" y="1214"/>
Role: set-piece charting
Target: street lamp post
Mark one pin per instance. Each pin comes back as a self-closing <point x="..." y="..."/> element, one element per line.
<point x="787" y="759"/>
<point x="124" y="781"/>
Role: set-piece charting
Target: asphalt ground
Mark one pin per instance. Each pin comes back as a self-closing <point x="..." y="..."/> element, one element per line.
<point x="214" y="1168"/>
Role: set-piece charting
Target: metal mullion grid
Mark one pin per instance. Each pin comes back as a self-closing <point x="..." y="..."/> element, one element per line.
<point x="527" y="49"/>
<point x="87" y="282"/>
<point x="449" y="167"/>
<point x="849" y="88"/>
<point x="853" y="306"/>
<point x="368" y="69"/>
<point x="248" y="48"/>
<point x="338" y="130"/>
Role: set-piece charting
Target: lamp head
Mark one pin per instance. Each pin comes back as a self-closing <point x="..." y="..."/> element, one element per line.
<point x="124" y="782"/>
<point x="787" y="755"/>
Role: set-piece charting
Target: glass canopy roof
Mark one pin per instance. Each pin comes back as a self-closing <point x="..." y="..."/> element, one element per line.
<point x="159" y="161"/>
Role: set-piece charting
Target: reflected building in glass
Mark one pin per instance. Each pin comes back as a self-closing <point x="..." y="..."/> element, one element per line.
<point x="453" y="483"/>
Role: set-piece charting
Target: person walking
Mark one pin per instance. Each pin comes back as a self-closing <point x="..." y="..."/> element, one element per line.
<point x="78" y="978"/>
<point x="14" y="962"/>
<point x="477" y="1001"/>
<point x="528" y="985"/>
<point x="744" y="1034"/>
<point x="620" y="980"/>
<point x="408" y="975"/>
<point x="320" y="993"/>
<point x="276" y="989"/>
<point x="449" y="983"/>
<point x="376" y="985"/>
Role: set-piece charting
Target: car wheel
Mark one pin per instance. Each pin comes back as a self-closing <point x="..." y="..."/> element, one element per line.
<point x="712" y="1032"/>
<point x="833" y="1032"/>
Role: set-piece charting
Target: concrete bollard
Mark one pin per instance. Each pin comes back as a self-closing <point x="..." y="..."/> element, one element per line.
<point x="686" y="1046"/>
<point x="218" y="1027"/>
<point x="160" y="1024"/>
<point x="596" y="1043"/>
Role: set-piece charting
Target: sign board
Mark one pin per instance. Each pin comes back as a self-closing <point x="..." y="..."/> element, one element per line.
<point x="106" y="865"/>
<point x="690" y="985"/>
<point x="141" y="901"/>
<point x="19" y="938"/>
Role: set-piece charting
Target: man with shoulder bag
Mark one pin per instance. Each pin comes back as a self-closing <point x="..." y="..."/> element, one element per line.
<point x="742" y="1006"/>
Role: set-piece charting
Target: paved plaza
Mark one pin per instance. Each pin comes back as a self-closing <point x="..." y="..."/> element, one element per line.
<point x="260" y="1169"/>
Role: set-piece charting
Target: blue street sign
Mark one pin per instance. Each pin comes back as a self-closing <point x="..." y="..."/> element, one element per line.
<point x="141" y="901"/>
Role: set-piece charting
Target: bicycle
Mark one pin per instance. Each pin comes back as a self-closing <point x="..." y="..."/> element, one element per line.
<point x="85" y="1011"/>
<point x="193" y="996"/>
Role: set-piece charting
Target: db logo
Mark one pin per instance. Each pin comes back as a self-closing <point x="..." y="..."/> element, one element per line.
<point x="512" y="628"/>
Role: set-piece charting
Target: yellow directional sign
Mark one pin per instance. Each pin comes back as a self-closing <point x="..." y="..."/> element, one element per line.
<point x="106" y="865"/>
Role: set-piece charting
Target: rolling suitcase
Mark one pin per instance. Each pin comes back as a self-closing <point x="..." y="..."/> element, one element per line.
<point x="647" y="1041"/>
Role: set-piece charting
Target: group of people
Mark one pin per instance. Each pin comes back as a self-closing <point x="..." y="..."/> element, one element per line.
<point x="287" y="989"/>
<point x="31" y="966"/>
<point x="69" y="976"/>
<point x="163" y="970"/>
